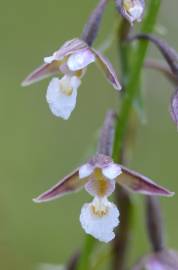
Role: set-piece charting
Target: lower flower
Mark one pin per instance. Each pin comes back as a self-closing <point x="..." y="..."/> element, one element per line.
<point x="98" y="176"/>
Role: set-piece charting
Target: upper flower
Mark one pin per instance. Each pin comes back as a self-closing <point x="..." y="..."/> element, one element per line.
<point x="132" y="10"/>
<point x="71" y="60"/>
<point x="98" y="176"/>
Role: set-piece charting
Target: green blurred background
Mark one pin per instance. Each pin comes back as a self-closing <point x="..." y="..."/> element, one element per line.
<point x="37" y="149"/>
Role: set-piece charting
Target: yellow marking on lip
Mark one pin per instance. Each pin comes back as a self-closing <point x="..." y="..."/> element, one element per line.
<point x="99" y="213"/>
<point x="101" y="183"/>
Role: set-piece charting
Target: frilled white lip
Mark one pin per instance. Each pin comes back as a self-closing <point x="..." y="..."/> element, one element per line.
<point x="62" y="104"/>
<point x="111" y="171"/>
<point x="102" y="223"/>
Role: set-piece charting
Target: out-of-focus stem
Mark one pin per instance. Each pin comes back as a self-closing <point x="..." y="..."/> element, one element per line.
<point x="72" y="264"/>
<point x="120" y="243"/>
<point x="154" y="223"/>
<point x="92" y="26"/>
<point x="163" y="68"/>
<point x="123" y="48"/>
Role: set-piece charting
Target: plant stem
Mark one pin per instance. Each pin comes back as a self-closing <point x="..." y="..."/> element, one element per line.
<point x="84" y="261"/>
<point x="131" y="83"/>
<point x="133" y="80"/>
<point x="154" y="223"/>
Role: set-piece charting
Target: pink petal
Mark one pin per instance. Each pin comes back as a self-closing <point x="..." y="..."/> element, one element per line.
<point x="69" y="184"/>
<point x="70" y="47"/>
<point x="136" y="182"/>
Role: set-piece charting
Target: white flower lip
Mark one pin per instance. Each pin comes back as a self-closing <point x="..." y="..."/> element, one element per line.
<point x="100" y="226"/>
<point x="85" y="170"/>
<point x="80" y="60"/>
<point x="112" y="171"/>
<point x="60" y="103"/>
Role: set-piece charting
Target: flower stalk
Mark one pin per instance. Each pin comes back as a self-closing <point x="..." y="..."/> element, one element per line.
<point x="154" y="223"/>
<point x="131" y="87"/>
<point x="131" y="80"/>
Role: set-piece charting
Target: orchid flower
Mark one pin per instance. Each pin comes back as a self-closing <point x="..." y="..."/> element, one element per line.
<point x="71" y="60"/>
<point x="131" y="10"/>
<point x="99" y="176"/>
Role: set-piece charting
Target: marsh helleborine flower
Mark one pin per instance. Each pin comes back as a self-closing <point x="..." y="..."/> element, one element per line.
<point x="98" y="176"/>
<point x="131" y="10"/>
<point x="71" y="60"/>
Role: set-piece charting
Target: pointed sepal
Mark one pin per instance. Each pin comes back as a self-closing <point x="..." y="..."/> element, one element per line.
<point x="42" y="72"/>
<point x="70" y="183"/>
<point x="136" y="182"/>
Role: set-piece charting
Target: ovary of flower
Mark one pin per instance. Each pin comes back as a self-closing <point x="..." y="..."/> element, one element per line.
<point x="134" y="9"/>
<point x="62" y="94"/>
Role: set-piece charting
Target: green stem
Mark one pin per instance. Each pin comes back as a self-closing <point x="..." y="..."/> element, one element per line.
<point x="133" y="80"/>
<point x="131" y="83"/>
<point x="84" y="261"/>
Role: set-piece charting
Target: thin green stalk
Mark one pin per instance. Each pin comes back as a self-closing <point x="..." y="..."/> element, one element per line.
<point x="131" y="83"/>
<point x="131" y="87"/>
<point x="84" y="261"/>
